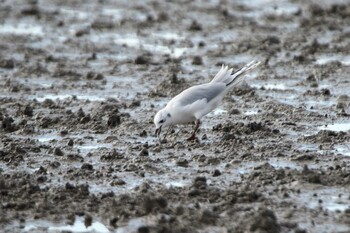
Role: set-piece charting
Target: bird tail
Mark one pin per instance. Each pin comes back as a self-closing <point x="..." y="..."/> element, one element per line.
<point x="231" y="78"/>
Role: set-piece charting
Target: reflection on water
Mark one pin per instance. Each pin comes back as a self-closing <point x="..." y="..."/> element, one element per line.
<point x="93" y="146"/>
<point x="175" y="184"/>
<point x="329" y="198"/>
<point x="47" y="137"/>
<point x="67" y="96"/>
<point x="252" y="112"/>
<point x="77" y="227"/>
<point x="324" y="59"/>
<point x="134" y="41"/>
<point x="218" y="111"/>
<point x="134" y="224"/>
<point x="270" y="86"/>
<point x="336" y="127"/>
<point x="21" y="29"/>
<point x="343" y="149"/>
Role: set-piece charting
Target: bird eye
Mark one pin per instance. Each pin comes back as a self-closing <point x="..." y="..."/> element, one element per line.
<point x="161" y="121"/>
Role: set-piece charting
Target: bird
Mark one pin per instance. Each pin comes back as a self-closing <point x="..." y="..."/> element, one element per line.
<point x="199" y="100"/>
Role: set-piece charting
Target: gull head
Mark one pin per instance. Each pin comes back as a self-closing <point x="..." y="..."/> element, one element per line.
<point x="162" y="120"/>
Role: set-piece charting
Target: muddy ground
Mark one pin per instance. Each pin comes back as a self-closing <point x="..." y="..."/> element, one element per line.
<point x="81" y="81"/>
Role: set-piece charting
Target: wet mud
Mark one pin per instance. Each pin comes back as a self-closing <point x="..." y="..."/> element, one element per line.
<point x="80" y="82"/>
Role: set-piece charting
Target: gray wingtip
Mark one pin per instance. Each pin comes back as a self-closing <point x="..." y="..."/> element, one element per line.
<point x="253" y="63"/>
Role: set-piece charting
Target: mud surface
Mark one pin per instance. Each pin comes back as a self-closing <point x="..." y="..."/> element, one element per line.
<point x="81" y="81"/>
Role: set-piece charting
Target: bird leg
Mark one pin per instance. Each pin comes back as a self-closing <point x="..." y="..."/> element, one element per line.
<point x="193" y="135"/>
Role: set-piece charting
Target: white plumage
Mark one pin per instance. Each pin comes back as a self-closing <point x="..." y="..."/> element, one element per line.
<point x="197" y="101"/>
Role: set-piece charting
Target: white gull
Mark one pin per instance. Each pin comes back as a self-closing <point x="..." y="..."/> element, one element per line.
<point x="197" y="101"/>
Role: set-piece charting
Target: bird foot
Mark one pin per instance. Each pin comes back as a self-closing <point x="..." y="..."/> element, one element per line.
<point x="192" y="138"/>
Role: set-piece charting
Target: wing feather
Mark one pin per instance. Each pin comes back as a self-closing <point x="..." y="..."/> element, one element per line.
<point x="206" y="92"/>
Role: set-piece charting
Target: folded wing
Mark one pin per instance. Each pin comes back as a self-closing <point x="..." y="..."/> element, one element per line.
<point x="230" y="78"/>
<point x="207" y="92"/>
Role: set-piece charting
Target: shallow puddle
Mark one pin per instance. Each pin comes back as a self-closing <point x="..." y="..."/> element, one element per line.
<point x="218" y="111"/>
<point x="336" y="127"/>
<point x="342" y="149"/>
<point x="332" y="199"/>
<point x="138" y="42"/>
<point x="67" y="96"/>
<point x="276" y="86"/>
<point x="77" y="227"/>
<point x="21" y="29"/>
<point x="326" y="59"/>
<point x="252" y="112"/>
<point x="134" y="224"/>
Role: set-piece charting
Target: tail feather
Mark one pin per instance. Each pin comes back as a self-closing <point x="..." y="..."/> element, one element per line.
<point x="230" y="78"/>
<point x="220" y="75"/>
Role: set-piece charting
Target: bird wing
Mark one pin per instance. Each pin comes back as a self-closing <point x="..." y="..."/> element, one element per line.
<point x="231" y="78"/>
<point x="223" y="75"/>
<point x="199" y="100"/>
<point x="205" y="92"/>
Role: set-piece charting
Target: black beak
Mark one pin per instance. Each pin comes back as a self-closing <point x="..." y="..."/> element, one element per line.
<point x="158" y="131"/>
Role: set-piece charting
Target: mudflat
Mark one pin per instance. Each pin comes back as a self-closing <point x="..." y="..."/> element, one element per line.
<point x="80" y="83"/>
